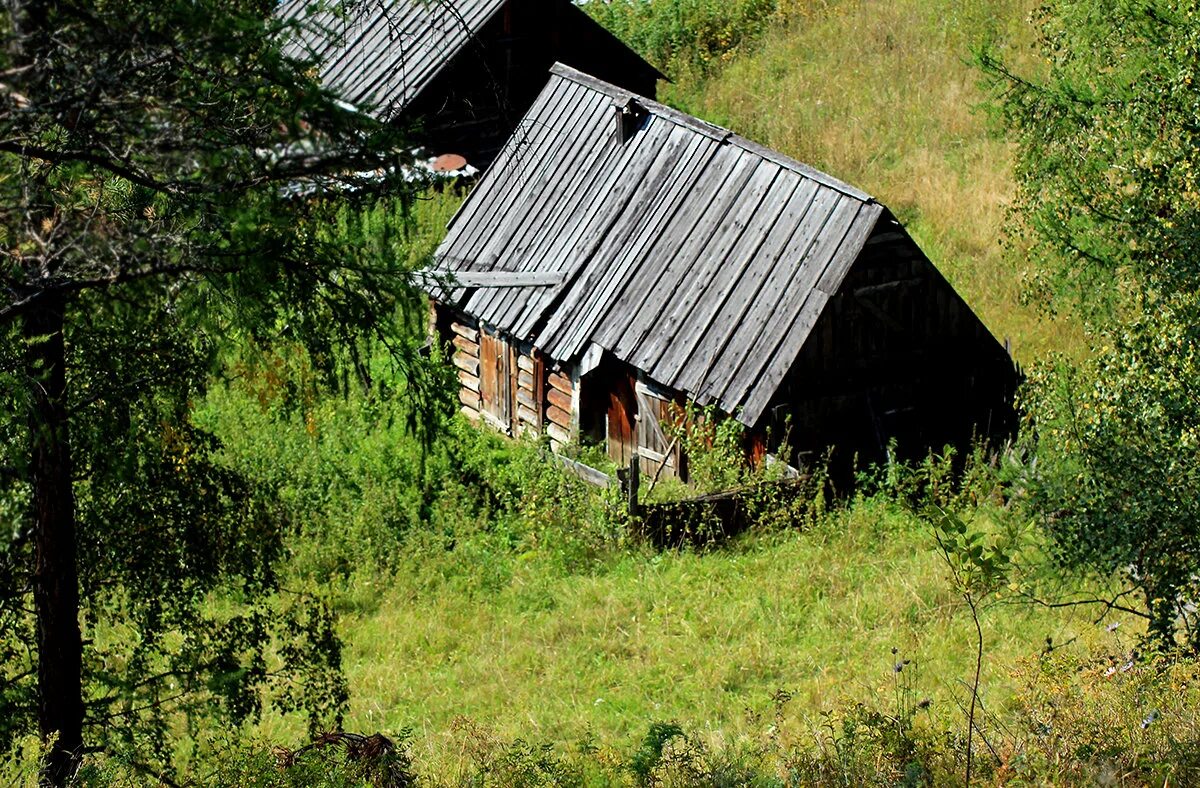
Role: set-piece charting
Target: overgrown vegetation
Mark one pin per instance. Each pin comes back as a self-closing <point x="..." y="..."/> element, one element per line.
<point x="1107" y="168"/>
<point x="377" y="564"/>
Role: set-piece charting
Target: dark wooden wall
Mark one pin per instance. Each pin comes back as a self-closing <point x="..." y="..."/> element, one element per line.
<point x="476" y="103"/>
<point x="897" y="356"/>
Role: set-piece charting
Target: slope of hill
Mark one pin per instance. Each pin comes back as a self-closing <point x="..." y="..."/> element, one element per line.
<point x="882" y="95"/>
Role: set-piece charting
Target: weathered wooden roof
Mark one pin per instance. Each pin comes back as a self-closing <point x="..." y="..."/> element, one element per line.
<point x="693" y="254"/>
<point x="384" y="52"/>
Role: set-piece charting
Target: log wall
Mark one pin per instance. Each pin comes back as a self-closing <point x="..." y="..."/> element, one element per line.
<point x="465" y="340"/>
<point x="560" y="398"/>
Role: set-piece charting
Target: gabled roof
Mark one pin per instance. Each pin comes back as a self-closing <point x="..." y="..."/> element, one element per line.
<point x="693" y="254"/>
<point x="382" y="54"/>
<point x="387" y="51"/>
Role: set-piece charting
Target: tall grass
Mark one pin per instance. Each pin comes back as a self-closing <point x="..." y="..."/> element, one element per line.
<point x="511" y="625"/>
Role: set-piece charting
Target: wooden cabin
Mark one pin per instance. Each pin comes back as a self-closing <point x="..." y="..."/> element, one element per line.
<point x="621" y="258"/>
<point x="463" y="71"/>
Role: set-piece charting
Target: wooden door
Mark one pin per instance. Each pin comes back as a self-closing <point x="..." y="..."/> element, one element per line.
<point x="620" y="420"/>
<point x="654" y="407"/>
<point x="495" y="380"/>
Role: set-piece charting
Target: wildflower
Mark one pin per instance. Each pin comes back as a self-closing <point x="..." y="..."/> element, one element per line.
<point x="1127" y="666"/>
<point x="1111" y="670"/>
<point x="1112" y="627"/>
<point x="899" y="666"/>
<point x="1149" y="720"/>
<point x="924" y="704"/>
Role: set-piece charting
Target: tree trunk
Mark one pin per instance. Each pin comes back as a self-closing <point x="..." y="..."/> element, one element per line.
<point x="56" y="574"/>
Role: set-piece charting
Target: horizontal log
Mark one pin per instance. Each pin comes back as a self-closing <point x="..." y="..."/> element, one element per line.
<point x="560" y="382"/>
<point x="527" y="415"/>
<point x="467" y="346"/>
<point x="466" y="363"/>
<point x="470" y="413"/>
<point x="468" y="381"/>
<point x="525" y="380"/>
<point x="526" y="399"/>
<point x="466" y="332"/>
<point x="525" y="363"/>
<point x="558" y="399"/>
<point x="559" y="416"/>
<point x="585" y="472"/>
<point x="651" y="454"/>
<point x="469" y="398"/>
<point x="507" y="278"/>
<point x="559" y="434"/>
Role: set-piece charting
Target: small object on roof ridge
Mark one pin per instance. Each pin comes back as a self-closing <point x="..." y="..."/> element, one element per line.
<point x="629" y="119"/>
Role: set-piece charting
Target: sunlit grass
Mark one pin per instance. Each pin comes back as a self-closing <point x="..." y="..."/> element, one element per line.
<point x="705" y="639"/>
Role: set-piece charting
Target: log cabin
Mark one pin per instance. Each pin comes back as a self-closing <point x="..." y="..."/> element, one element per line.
<point x="622" y="258"/>
<point x="460" y="73"/>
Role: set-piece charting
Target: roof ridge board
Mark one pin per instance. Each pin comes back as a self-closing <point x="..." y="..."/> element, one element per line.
<point x="622" y="95"/>
<point x="807" y="170"/>
<point x="712" y="130"/>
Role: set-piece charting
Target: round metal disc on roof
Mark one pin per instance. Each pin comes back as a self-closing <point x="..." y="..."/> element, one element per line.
<point x="449" y="162"/>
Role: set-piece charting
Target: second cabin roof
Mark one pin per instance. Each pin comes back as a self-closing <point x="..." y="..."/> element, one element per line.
<point x="692" y="254"/>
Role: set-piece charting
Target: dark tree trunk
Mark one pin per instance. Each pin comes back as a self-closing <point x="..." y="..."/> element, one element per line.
<point x="56" y="574"/>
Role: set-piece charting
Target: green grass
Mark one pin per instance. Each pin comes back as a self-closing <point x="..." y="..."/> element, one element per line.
<point x="527" y="650"/>
<point x="485" y="619"/>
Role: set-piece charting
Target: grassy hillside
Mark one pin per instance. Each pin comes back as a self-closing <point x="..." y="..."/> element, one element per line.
<point x="504" y="635"/>
<point x="516" y="619"/>
<point x="884" y="96"/>
<point x="490" y="605"/>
